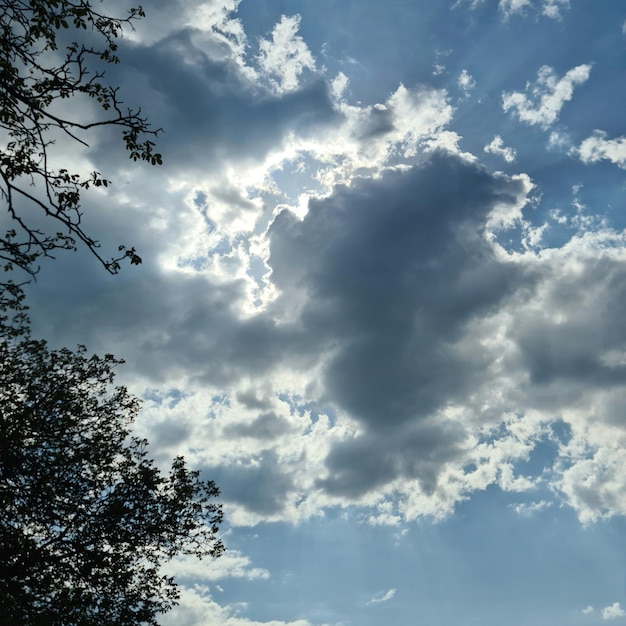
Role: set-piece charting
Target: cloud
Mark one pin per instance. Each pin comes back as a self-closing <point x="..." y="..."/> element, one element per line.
<point x="335" y="306"/>
<point x="382" y="597"/>
<point x="264" y="426"/>
<point x="546" y="97"/>
<point x="228" y="114"/>
<point x="598" y="147"/>
<point x="553" y="8"/>
<point x="416" y="454"/>
<point x="197" y="608"/>
<point x="285" y="56"/>
<point x="406" y="358"/>
<point x="509" y="7"/>
<point x="613" y="612"/>
<point x="549" y="8"/>
<point x="466" y="82"/>
<point x="355" y="271"/>
<point x="530" y="508"/>
<point x="261" y="485"/>
<point x="232" y="564"/>
<point x="587" y="610"/>
<point x="496" y="146"/>
<point x="392" y="291"/>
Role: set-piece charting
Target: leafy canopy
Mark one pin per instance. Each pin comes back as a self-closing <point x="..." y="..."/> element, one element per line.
<point x="86" y="519"/>
<point x="53" y="52"/>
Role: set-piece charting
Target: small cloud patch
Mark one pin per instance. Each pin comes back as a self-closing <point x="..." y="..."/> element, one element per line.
<point x="381" y="597"/>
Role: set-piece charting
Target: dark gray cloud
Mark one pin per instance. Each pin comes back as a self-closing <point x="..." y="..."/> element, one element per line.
<point x="223" y="115"/>
<point x="266" y="426"/>
<point x="416" y="452"/>
<point x="394" y="270"/>
<point x="378" y="121"/>
<point x="571" y="338"/>
<point x="172" y="325"/>
<point x="262" y="486"/>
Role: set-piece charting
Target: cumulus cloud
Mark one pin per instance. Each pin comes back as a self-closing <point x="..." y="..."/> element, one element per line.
<point x="613" y="612"/>
<point x="376" y="294"/>
<point x="405" y="356"/>
<point x="359" y="334"/>
<point x="496" y="146"/>
<point x="598" y="148"/>
<point x="543" y="101"/>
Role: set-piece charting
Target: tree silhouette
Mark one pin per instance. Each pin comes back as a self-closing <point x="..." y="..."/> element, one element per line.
<point x="86" y="519"/>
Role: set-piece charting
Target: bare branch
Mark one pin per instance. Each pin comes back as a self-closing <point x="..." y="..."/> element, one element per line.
<point x="29" y="88"/>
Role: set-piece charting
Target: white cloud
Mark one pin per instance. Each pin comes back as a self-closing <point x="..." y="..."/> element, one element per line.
<point x="509" y="7"/>
<point x="530" y="508"/>
<point x="594" y="486"/>
<point x="339" y="85"/>
<point x="598" y="148"/>
<point x="382" y="597"/>
<point x="587" y="610"/>
<point x="496" y="146"/>
<point x="543" y="101"/>
<point x="232" y="564"/>
<point x="558" y="141"/>
<point x="197" y="608"/>
<point x="285" y="56"/>
<point x="553" y="8"/>
<point x="613" y="612"/>
<point x="466" y="82"/>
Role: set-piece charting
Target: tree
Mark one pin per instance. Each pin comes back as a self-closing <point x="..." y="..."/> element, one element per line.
<point x="52" y="52"/>
<point x="86" y="519"/>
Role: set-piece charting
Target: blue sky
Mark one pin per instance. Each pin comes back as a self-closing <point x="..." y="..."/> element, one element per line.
<point x="381" y="303"/>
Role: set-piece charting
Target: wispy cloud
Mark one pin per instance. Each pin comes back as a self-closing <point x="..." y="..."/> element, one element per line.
<point x="529" y="508"/>
<point x="383" y="596"/>
<point x="549" y="8"/>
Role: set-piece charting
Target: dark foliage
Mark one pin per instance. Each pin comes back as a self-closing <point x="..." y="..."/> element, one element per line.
<point x="86" y="519"/>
